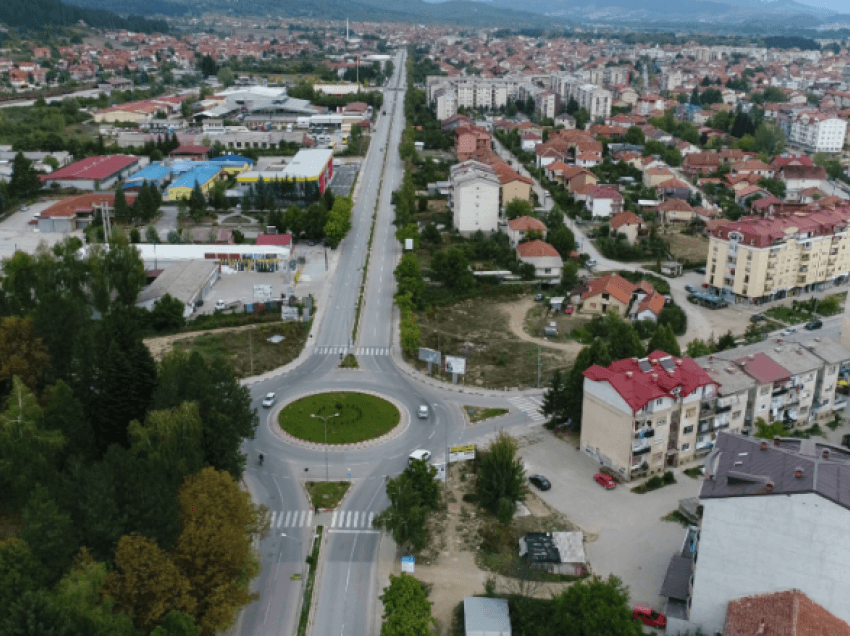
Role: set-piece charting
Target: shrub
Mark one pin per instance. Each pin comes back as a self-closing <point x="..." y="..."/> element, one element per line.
<point x="669" y="478"/>
<point x="654" y="482"/>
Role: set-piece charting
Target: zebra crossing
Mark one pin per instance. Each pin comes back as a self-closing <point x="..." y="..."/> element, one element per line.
<point x="357" y="351"/>
<point x="292" y="519"/>
<point x="352" y="520"/>
<point x="530" y="406"/>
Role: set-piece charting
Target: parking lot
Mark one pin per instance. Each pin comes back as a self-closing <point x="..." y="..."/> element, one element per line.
<point x="626" y="535"/>
<point x="17" y="234"/>
<point x="344" y="176"/>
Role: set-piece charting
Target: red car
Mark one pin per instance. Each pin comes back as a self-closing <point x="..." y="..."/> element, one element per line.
<point x="605" y="480"/>
<point x="649" y="616"/>
<point x="568" y="310"/>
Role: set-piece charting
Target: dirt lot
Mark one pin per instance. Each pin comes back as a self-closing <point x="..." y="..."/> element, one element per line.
<point x="685" y="247"/>
<point x="498" y="353"/>
<point x="452" y="566"/>
<point x="247" y="348"/>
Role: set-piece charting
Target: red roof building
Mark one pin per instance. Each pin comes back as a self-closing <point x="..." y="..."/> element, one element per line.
<point x="788" y="613"/>
<point x="190" y="151"/>
<point x="282" y="240"/>
<point x="93" y="173"/>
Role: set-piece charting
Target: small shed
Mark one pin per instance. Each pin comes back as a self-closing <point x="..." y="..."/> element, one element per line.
<point x="671" y="268"/>
<point x="486" y="616"/>
<point x="555" y="552"/>
<point x="557" y="303"/>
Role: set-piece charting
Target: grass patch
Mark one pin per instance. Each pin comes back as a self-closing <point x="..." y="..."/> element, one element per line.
<point x="654" y="483"/>
<point x="805" y="433"/>
<point x="327" y="494"/>
<point x="695" y="472"/>
<point x="685" y="247"/>
<point x="312" y="562"/>
<point x="676" y="517"/>
<point x="349" y="362"/>
<point x="480" y="413"/>
<point x="789" y="315"/>
<point x="361" y="417"/>
<point x="249" y="351"/>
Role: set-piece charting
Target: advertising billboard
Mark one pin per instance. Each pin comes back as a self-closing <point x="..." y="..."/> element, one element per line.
<point x="455" y="365"/>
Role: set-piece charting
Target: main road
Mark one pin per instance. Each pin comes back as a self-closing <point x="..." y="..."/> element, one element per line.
<point x="347" y="592"/>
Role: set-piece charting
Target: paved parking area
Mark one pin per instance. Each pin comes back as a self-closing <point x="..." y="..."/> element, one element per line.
<point x="626" y="535"/>
<point x="344" y="177"/>
<point x="17" y="234"/>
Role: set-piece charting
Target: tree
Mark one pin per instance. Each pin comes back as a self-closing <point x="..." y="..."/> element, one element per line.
<point x="406" y="515"/>
<point x="167" y="314"/>
<point x="177" y="624"/>
<point x="595" y="606"/>
<point x="151" y="235"/>
<point x="225" y="76"/>
<point x="24" y="181"/>
<point x="634" y="135"/>
<point x="596" y="353"/>
<point x="501" y="481"/>
<point x="146" y="584"/>
<point x="518" y="207"/>
<point x="64" y="413"/>
<point x="562" y="239"/>
<point x="118" y="274"/>
<point x="675" y="317"/>
<point x="135" y="235"/>
<point x="769" y="139"/>
<point x="423" y="478"/>
<point x="555" y="401"/>
<point x="214" y="551"/>
<point x="171" y="439"/>
<point x="569" y="276"/>
<point x="726" y="341"/>
<point x="224" y="405"/>
<point x="664" y="340"/>
<point x="21" y="353"/>
<point x="208" y="66"/>
<point x="407" y="610"/>
<point x="122" y="209"/>
<point x="409" y="278"/>
<point x="697" y="348"/>
<point x="49" y="532"/>
<point x="451" y="268"/>
<point x="430" y="234"/>
<point x="36" y="614"/>
<point x="623" y="339"/>
<point x="20" y="572"/>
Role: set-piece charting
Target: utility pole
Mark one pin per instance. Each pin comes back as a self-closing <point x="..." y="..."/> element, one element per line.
<point x="251" y="348"/>
<point x="539" y="364"/>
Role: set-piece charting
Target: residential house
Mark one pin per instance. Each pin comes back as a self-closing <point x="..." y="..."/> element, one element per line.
<point x="675" y="188"/>
<point x="753" y="166"/>
<point x="470" y="140"/>
<point x="788" y="612"/>
<point x="700" y="162"/>
<point x="628" y="224"/>
<point x="519" y="227"/>
<point x="648" y="307"/>
<point x="475" y="197"/>
<point x="588" y="159"/>
<point x="607" y="293"/>
<point x="800" y="177"/>
<point x="545" y="258"/>
<point x="675" y="211"/>
<point x="656" y="175"/>
<point x="603" y="202"/>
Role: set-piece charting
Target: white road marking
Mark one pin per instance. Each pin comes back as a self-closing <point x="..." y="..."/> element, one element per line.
<point x="286" y="523"/>
<point x="333" y="519"/>
<point x="310" y="518"/>
<point x="301" y="520"/>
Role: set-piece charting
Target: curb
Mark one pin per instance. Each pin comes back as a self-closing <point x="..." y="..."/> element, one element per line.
<point x="318" y="510"/>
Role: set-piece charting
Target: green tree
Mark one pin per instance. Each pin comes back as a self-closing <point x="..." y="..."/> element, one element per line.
<point x="173" y="439"/>
<point x="177" y="624"/>
<point x="22" y="354"/>
<point x="518" y="207"/>
<point x="20" y="572"/>
<point x="406" y="516"/>
<point x="151" y="235"/>
<point x="595" y="606"/>
<point x="64" y="413"/>
<point x="117" y="274"/>
<point x="501" y="480"/>
<point x="122" y="210"/>
<point x="698" y="348"/>
<point x="431" y="235"/>
<point x="225" y="76"/>
<point x="409" y="231"/>
<point x="664" y="340"/>
<point x="167" y="314"/>
<point x="769" y="139"/>
<point x="555" y="402"/>
<point x="407" y="610"/>
<point x="411" y="334"/>
<point x="562" y="239"/>
<point x="775" y="186"/>
<point x="569" y="276"/>
<point x="634" y="135"/>
<point x="409" y="278"/>
<point x="36" y="614"/>
<point x="24" y="181"/>
<point x="726" y="341"/>
<point x="675" y="317"/>
<point x="623" y="340"/>
<point x="451" y="268"/>
<point x="596" y="353"/>
<point x="49" y="531"/>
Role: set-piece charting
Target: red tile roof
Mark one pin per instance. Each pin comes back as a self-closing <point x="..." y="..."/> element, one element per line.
<point x="96" y="168"/>
<point x="522" y="223"/>
<point x="624" y="218"/>
<point x="71" y="205"/>
<point x="787" y="613"/>
<point x="638" y="387"/>
<point x="536" y="249"/>
<point x="654" y="302"/>
<point x="605" y="193"/>
<point x="612" y="284"/>
<point x="274" y="239"/>
<point x="763" y="232"/>
<point x="763" y="369"/>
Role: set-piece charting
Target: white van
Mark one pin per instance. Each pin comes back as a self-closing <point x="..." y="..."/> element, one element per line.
<point x="423" y="412"/>
<point x="421" y="455"/>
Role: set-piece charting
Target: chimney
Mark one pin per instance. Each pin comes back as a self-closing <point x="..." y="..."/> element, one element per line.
<point x="777" y="441"/>
<point x="678" y="362"/>
<point x="825" y="453"/>
<point x="763" y="446"/>
<point x="768" y="487"/>
<point x="629" y="374"/>
<point x="798" y="472"/>
<point x="655" y="376"/>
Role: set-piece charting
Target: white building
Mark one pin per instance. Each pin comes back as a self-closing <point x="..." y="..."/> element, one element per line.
<point x="818" y="132"/>
<point x="475" y="197"/>
<point x="445" y="104"/>
<point x="545" y="258"/>
<point x="595" y="100"/>
<point x="775" y="517"/>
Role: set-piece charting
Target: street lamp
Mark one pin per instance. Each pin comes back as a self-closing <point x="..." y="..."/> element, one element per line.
<point x="325" y="420"/>
<point x="301" y="551"/>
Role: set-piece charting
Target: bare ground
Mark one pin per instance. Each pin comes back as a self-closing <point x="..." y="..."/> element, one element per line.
<point x="161" y="346"/>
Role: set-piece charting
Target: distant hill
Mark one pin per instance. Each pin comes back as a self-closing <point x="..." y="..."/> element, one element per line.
<point x="37" y="14"/>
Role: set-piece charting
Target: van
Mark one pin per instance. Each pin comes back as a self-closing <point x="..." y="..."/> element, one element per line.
<point x="419" y="455"/>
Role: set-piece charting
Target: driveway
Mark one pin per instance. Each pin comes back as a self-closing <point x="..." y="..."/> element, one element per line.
<point x="625" y="533"/>
<point x="166" y="222"/>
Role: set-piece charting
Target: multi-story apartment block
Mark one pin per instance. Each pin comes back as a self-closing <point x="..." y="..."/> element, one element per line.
<point x="474" y="197"/>
<point x="637" y="411"/>
<point x="774" y="257"/>
<point x="595" y="100"/>
<point x="445" y="104"/>
<point x="607" y="76"/>
<point x="775" y="518"/>
<point x="475" y="92"/>
<point x="818" y="132"/>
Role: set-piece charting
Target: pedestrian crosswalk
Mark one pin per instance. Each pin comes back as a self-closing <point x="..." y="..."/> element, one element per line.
<point x="357" y="351"/>
<point x="292" y="519"/>
<point x="352" y="519"/>
<point x="530" y="406"/>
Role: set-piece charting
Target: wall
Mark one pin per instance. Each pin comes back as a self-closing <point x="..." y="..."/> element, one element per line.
<point x="758" y="545"/>
<point x="606" y="426"/>
<point x="598" y="306"/>
<point x="476" y="206"/>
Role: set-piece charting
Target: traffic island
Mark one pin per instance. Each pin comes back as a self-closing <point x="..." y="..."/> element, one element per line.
<point x="313" y="563"/>
<point x="349" y="362"/>
<point x="338" y="418"/>
<point x="326" y="495"/>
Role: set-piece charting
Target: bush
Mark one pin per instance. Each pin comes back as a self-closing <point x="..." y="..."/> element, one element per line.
<point x="653" y="483"/>
<point x="669" y="478"/>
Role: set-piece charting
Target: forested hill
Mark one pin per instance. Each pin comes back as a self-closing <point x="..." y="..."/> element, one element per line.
<point x="37" y="14"/>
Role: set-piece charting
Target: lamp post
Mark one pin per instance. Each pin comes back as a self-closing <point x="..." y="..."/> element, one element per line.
<point x="325" y="420"/>
<point x="301" y="551"/>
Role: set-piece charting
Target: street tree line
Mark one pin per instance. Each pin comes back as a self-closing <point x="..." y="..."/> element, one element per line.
<point x="123" y="473"/>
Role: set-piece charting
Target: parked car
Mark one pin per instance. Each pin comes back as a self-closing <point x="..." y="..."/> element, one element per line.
<point x="540" y="482"/>
<point x="269" y="400"/>
<point x="423" y="412"/>
<point x="789" y="330"/>
<point x="569" y="310"/>
<point x="758" y="318"/>
<point x="691" y="289"/>
<point x="577" y="245"/>
<point x="538" y="297"/>
<point x="649" y="616"/>
<point x="421" y="455"/>
<point x="590" y="264"/>
<point x="814" y="324"/>
<point x="606" y="481"/>
<point x="700" y="270"/>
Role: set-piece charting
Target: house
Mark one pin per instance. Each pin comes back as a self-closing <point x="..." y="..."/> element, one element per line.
<point x="626" y="223"/>
<point x="529" y="141"/>
<point x="475" y="197"/>
<point x="191" y="152"/>
<point x="800" y="177"/>
<point x="657" y="174"/>
<point x="611" y="292"/>
<point x="753" y="166"/>
<point x="769" y="510"/>
<point x="554" y="552"/>
<point x="673" y="188"/>
<point x="545" y="258"/>
<point x="486" y="616"/>
<point x="675" y="211"/>
<point x="588" y="159"/>
<point x="576" y="177"/>
<point x="469" y="140"/>
<point x="603" y="202"/>
<point x="513" y="184"/>
<point x="565" y="120"/>
<point x="649" y="307"/>
<point x="700" y="162"/>
<point x="520" y="226"/>
<point x="789" y="612"/>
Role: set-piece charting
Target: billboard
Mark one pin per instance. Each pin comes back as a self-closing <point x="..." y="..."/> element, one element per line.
<point x="461" y="453"/>
<point x="408" y="243"/>
<point x="429" y="355"/>
<point x="455" y="365"/>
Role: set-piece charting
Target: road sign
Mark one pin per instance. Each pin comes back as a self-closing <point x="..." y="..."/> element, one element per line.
<point x="462" y="453"/>
<point x="455" y="365"/>
<point x="429" y="355"/>
<point x="408" y="564"/>
<point x="408" y="244"/>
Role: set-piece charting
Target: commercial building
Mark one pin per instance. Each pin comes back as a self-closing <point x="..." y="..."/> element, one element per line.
<point x="93" y="173"/>
<point x="242" y="257"/>
<point x="778" y="256"/>
<point x="188" y="282"/>
<point x="74" y="213"/>
<point x="474" y="199"/>
<point x="204" y="176"/>
<point x="310" y="165"/>
<point x="155" y="173"/>
<point x="635" y="412"/>
<point x="775" y="518"/>
<point x="818" y="132"/>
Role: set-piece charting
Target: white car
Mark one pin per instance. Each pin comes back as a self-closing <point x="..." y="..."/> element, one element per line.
<point x="268" y="401"/>
<point x="789" y="330"/>
<point x="421" y="455"/>
<point x="423" y="412"/>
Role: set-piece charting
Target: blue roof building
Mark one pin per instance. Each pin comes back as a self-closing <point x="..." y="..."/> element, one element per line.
<point x="204" y="176"/>
<point x="155" y="173"/>
<point x="232" y="159"/>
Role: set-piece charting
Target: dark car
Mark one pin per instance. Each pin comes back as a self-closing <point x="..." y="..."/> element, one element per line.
<point x="700" y="270"/>
<point x="758" y="318"/>
<point x="691" y="289"/>
<point x="814" y="324"/>
<point x="540" y="482"/>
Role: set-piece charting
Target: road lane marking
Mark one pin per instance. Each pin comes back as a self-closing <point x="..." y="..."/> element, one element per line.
<point x="310" y="519"/>
<point x="333" y="519"/>
<point x="371" y="517"/>
<point x="273" y="516"/>
<point x="301" y="520"/>
<point x="286" y="523"/>
<point x="348" y="519"/>
<point x="338" y="531"/>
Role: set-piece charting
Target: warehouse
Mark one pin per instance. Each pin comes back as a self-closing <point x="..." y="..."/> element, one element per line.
<point x="187" y="281"/>
<point x="93" y="173"/>
<point x="74" y="213"/>
<point x="156" y="174"/>
<point x="205" y="176"/>
<point x="238" y="257"/>
<point x="307" y="165"/>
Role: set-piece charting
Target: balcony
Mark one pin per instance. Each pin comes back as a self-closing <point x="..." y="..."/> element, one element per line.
<point x="643" y="432"/>
<point x="640" y="448"/>
<point x="704" y="426"/>
<point x="780" y="390"/>
<point x="708" y="407"/>
<point x="723" y="409"/>
<point x="703" y="449"/>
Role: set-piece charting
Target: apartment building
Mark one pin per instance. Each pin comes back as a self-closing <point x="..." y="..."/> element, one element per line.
<point x="607" y="76"/>
<point x="818" y="132"/>
<point x="474" y="197"/>
<point x="445" y="104"/>
<point x="774" y="257"/>
<point x="595" y="100"/>
<point x="641" y="416"/>
<point x="775" y="518"/>
<point x="474" y="92"/>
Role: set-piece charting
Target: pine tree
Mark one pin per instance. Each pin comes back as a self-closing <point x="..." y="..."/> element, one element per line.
<point x="664" y="340"/>
<point x="24" y="181"/>
<point x="554" y="400"/>
<point x="122" y="210"/>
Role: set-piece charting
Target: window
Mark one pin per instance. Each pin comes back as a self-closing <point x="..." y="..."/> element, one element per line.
<point x="687" y="430"/>
<point x="691" y="412"/>
<point x="686" y="448"/>
<point x="736" y="415"/>
<point x="764" y="390"/>
<point x="661" y="422"/>
<point x="659" y="401"/>
<point x="761" y="408"/>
